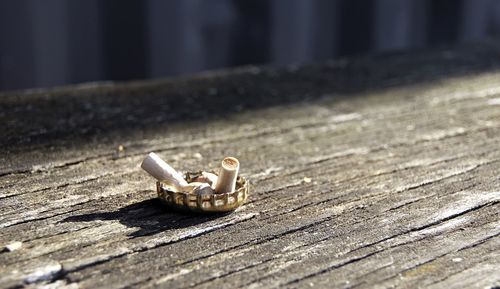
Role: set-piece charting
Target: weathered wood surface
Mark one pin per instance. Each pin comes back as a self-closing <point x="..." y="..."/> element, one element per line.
<point x="375" y="172"/>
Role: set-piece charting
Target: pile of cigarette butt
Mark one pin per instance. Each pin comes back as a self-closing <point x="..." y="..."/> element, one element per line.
<point x="205" y="184"/>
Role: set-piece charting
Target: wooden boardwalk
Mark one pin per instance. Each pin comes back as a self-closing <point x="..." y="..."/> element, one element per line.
<point x="374" y="172"/>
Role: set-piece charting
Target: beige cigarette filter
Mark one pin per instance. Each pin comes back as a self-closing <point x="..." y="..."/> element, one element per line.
<point x="226" y="182"/>
<point x="161" y="171"/>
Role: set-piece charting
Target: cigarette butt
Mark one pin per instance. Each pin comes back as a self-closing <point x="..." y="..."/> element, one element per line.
<point x="161" y="171"/>
<point x="226" y="182"/>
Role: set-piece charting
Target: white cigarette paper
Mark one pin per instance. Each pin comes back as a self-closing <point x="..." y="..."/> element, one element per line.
<point x="201" y="189"/>
<point x="161" y="171"/>
<point x="226" y="182"/>
<point x="212" y="178"/>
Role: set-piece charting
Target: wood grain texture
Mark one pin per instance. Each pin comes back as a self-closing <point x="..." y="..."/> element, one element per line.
<point x="370" y="172"/>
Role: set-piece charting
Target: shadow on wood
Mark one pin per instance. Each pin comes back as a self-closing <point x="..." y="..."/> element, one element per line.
<point x="150" y="216"/>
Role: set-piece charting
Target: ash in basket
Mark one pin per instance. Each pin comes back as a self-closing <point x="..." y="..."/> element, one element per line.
<point x="220" y="191"/>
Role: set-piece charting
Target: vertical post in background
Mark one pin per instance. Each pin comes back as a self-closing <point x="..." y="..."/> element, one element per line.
<point x="17" y="63"/>
<point x="420" y="23"/>
<point x="51" y="42"/>
<point x="355" y="27"/>
<point x="251" y="32"/>
<point x="303" y="31"/>
<point x="175" y="38"/>
<point x="326" y="32"/>
<point x="85" y="41"/>
<point x="218" y="19"/>
<point x="475" y="19"/>
<point x="399" y="24"/>
<point x="494" y="23"/>
<point x="393" y="23"/>
<point x="124" y="39"/>
<point x="444" y="21"/>
<point x="292" y="31"/>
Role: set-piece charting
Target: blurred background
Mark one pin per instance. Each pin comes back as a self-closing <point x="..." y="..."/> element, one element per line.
<point x="57" y="42"/>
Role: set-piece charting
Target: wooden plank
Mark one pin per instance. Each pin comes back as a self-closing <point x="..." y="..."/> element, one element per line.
<point x="370" y="172"/>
